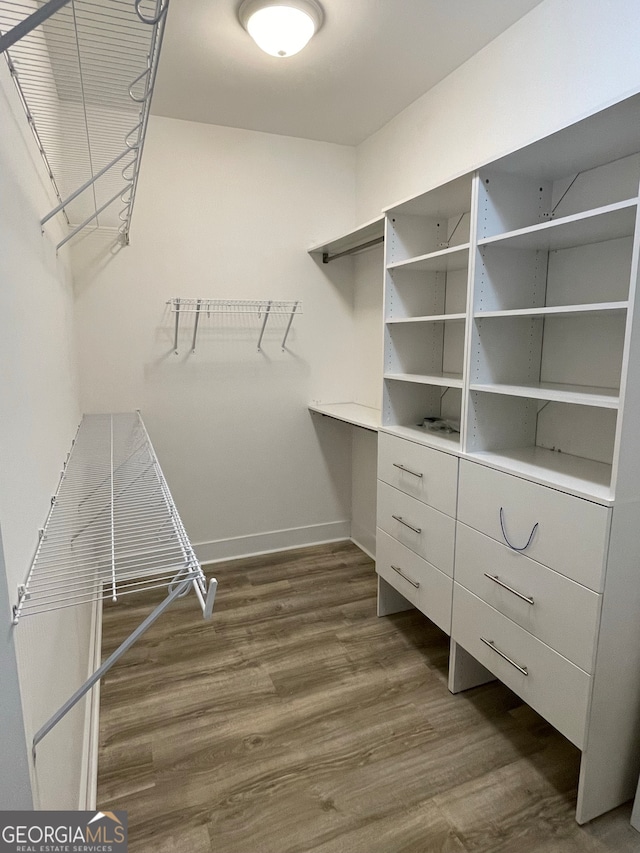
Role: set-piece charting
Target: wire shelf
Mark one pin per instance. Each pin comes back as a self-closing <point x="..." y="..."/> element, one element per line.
<point x="113" y="528"/>
<point x="85" y="76"/>
<point x="234" y="306"/>
<point x="263" y="309"/>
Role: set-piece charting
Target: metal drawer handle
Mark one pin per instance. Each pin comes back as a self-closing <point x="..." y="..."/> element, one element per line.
<point x="497" y="580"/>
<point x="492" y="645"/>
<point x="506" y="538"/>
<point x="408" y="470"/>
<point x="406" y="524"/>
<point x="406" y="577"/>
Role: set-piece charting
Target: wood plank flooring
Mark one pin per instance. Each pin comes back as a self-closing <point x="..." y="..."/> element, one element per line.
<point x="298" y="721"/>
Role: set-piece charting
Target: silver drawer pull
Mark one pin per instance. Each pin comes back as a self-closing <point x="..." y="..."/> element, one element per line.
<point x="506" y="538"/>
<point x="492" y="645"/>
<point x="406" y="577"/>
<point x="497" y="580"/>
<point x="406" y="524"/>
<point x="407" y="470"/>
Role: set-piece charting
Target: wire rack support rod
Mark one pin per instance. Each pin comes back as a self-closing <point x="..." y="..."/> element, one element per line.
<point x="175" y="593"/>
<point x="30" y="23"/>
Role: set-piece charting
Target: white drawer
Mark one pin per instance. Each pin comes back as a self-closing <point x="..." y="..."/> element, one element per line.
<point x="552" y="685"/>
<point x="558" y="611"/>
<point x="418" y="581"/>
<point x="425" y="474"/>
<point x="571" y="535"/>
<point x="427" y="532"/>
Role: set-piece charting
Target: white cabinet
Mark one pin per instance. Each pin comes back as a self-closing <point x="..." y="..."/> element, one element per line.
<point x="421" y="583"/>
<point x="419" y="471"/>
<point x="565" y="533"/>
<point x="416" y="505"/>
<point x="560" y="612"/>
<point x="510" y="313"/>
<point x="546" y="680"/>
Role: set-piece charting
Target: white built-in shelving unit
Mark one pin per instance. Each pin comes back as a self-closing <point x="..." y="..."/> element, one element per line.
<point x="427" y="263"/>
<point x="510" y="311"/>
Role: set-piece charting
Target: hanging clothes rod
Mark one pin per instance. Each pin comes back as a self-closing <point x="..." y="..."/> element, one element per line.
<point x="327" y="257"/>
<point x="112" y="530"/>
<point x="263" y="309"/>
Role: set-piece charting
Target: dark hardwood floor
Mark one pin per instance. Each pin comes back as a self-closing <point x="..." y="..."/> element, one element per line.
<point x="296" y="721"/>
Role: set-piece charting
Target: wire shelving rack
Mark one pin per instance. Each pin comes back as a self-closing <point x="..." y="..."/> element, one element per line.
<point x="85" y="72"/>
<point x="262" y="309"/>
<point x="112" y="530"/>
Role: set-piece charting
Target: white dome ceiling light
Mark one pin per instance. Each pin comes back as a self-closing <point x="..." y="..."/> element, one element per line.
<point x="281" y="27"/>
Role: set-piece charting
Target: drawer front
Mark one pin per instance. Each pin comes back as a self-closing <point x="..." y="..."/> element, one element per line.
<point x="417" y="580"/>
<point x="419" y="527"/>
<point x="558" y="611"/>
<point x="571" y="536"/>
<point x="553" y="686"/>
<point x="425" y="474"/>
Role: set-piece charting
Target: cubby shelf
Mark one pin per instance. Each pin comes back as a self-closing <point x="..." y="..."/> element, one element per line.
<point x="447" y="380"/>
<point x="444" y="260"/>
<point x="432" y="318"/>
<point x="581" y="395"/>
<point x="592" y="226"/>
<point x="447" y="441"/>
<point x="582" y="477"/>
<point x="594" y="309"/>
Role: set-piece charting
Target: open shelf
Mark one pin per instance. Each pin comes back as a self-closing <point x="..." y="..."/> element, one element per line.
<point x="449" y="442"/>
<point x="409" y="399"/>
<point x="593" y="226"/>
<point x="446" y="380"/>
<point x="606" y="398"/>
<point x="531" y="424"/>
<point x="594" y="309"/>
<point x="444" y="260"/>
<point x="584" y="478"/>
<point x="351" y="413"/>
<point x="575" y="357"/>
<point x="435" y="318"/>
<point x="431" y="232"/>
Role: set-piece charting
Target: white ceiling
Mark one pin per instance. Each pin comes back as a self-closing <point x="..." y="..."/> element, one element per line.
<point x="371" y="59"/>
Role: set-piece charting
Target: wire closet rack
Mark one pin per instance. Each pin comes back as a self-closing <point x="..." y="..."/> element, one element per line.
<point x="112" y="530"/>
<point x="85" y="72"/>
<point x="263" y="309"/>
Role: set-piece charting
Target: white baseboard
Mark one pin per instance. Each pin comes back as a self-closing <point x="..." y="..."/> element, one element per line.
<point x="275" y="540"/>
<point x="89" y="778"/>
<point x="364" y="540"/>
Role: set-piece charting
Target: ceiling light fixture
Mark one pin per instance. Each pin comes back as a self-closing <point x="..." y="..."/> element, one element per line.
<point x="281" y="27"/>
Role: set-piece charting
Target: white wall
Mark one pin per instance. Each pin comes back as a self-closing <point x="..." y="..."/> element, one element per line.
<point x="561" y="62"/>
<point x="39" y="416"/>
<point x="223" y="213"/>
